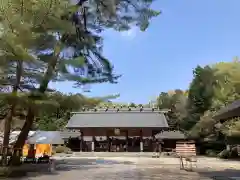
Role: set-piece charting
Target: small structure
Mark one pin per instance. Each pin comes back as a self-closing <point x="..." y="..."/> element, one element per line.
<point x="66" y="134"/>
<point x="132" y="123"/>
<point x="46" y="137"/>
<point x="170" y="138"/>
<point x="186" y="150"/>
<point x="43" y="141"/>
<point x="230" y="111"/>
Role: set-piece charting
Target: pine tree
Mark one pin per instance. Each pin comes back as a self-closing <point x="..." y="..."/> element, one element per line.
<point x="43" y="39"/>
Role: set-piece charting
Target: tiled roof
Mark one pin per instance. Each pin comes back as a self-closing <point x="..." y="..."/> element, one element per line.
<point x="230" y="111"/>
<point x="170" y="135"/>
<point x="118" y="118"/>
<point x="45" y="137"/>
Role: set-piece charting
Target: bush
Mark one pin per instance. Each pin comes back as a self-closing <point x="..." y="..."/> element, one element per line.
<point x="53" y="152"/>
<point x="68" y="151"/>
<point x="59" y="149"/>
<point x="211" y="153"/>
<point x="225" y="154"/>
<point x="234" y="152"/>
<point x="4" y="171"/>
<point x="63" y="149"/>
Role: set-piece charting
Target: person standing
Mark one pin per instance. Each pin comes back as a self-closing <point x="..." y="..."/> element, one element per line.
<point x="157" y="148"/>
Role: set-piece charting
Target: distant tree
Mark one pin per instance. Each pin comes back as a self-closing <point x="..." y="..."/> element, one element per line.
<point x="228" y="83"/>
<point x="176" y="103"/>
<point x="225" y="91"/>
<point x="212" y="88"/>
<point x="132" y="104"/>
<point x="164" y="101"/>
<point x="55" y="118"/>
<point x="200" y="95"/>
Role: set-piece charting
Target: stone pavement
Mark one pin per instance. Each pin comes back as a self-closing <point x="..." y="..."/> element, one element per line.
<point x="146" y="158"/>
<point x="126" y="168"/>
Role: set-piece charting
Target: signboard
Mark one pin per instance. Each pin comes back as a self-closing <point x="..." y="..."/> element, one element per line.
<point x="116" y="131"/>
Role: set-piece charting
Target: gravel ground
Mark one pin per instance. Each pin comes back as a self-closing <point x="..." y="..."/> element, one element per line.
<point x="131" y="168"/>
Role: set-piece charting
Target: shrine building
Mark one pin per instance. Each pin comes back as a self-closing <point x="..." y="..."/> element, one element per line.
<point x="116" y="129"/>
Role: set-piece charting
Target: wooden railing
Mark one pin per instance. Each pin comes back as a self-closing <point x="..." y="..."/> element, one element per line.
<point x="186" y="150"/>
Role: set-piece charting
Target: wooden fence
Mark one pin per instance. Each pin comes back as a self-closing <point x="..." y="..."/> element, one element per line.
<point x="186" y="150"/>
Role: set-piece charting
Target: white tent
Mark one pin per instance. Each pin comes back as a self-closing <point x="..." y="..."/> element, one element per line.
<point x="46" y="137"/>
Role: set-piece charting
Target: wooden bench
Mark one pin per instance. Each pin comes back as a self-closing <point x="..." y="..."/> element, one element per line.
<point x="186" y="150"/>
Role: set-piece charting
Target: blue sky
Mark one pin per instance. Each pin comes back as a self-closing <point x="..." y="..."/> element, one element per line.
<point x="187" y="33"/>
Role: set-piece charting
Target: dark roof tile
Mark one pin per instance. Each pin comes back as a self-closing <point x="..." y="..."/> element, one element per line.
<point x="170" y="135"/>
<point x="118" y="119"/>
<point x="229" y="111"/>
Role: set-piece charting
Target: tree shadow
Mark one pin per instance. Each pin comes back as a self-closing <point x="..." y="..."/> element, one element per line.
<point x="33" y="170"/>
<point x="227" y="174"/>
<point x="232" y="160"/>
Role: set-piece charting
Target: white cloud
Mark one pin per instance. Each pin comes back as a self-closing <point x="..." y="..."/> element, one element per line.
<point x="130" y="34"/>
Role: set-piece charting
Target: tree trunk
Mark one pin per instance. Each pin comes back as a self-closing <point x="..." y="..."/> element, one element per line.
<point x="15" y="160"/>
<point x="7" y="129"/>
<point x="8" y="120"/>
<point x="22" y="137"/>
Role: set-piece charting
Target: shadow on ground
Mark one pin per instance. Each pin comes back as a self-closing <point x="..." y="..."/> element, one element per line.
<point x="33" y="170"/>
<point x="139" y="172"/>
<point x="227" y="174"/>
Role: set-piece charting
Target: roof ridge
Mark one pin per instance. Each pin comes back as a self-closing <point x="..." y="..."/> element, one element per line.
<point x="121" y="110"/>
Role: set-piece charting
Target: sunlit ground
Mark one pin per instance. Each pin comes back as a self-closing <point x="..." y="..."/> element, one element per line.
<point x="146" y="169"/>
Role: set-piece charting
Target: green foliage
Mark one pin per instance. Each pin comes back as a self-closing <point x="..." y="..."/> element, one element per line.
<point x="132" y="105"/>
<point x="204" y="127"/>
<point x="224" y="92"/>
<point x="47" y="41"/>
<point x="5" y="172"/>
<point x="228" y="83"/>
<point x="164" y="101"/>
<point x="51" y="34"/>
<point x="201" y="90"/>
<point x="225" y="154"/>
<point x="211" y="153"/>
<point x="56" y="117"/>
<point x="231" y="130"/>
<point x="176" y="102"/>
<point x="212" y="88"/>
<point x="200" y="95"/>
<point x="62" y="149"/>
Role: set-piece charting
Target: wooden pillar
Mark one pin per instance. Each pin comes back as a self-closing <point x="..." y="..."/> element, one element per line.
<point x="141" y="141"/>
<point x="108" y="143"/>
<point x="31" y="151"/>
<point x="126" y="140"/>
<point x="153" y="142"/>
<point x="93" y="143"/>
<point x="81" y="141"/>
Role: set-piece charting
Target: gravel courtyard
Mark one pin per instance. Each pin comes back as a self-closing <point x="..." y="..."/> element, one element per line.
<point x="135" y="169"/>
